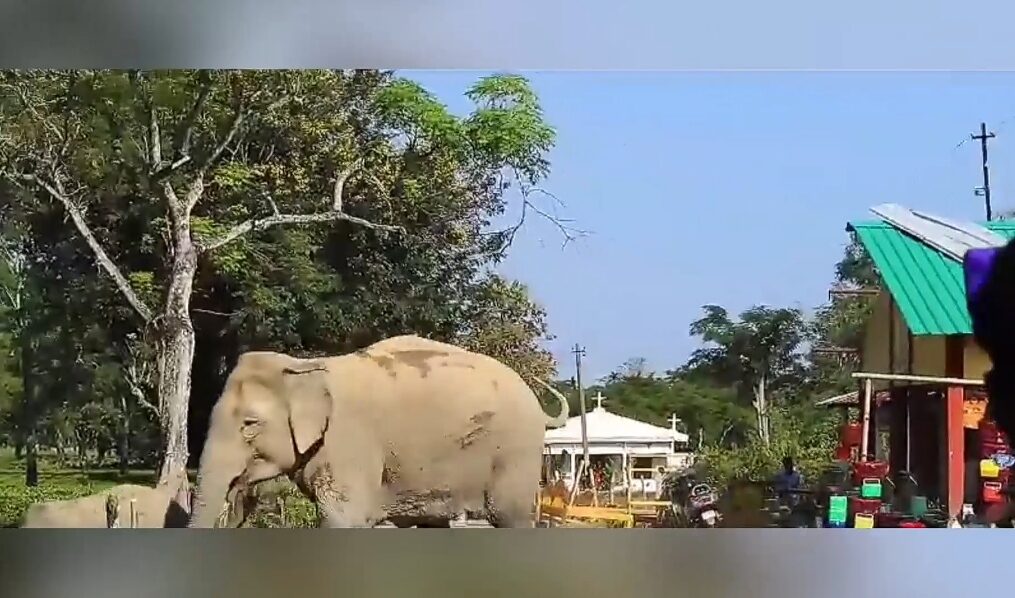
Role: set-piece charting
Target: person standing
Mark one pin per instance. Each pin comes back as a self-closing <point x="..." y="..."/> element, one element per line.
<point x="788" y="480"/>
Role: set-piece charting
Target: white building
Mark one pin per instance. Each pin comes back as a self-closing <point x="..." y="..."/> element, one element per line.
<point x="644" y="450"/>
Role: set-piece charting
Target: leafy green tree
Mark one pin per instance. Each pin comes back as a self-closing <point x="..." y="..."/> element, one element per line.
<point x="709" y="414"/>
<point x="810" y="443"/>
<point x="504" y="323"/>
<point x="186" y="188"/>
<point x="757" y="355"/>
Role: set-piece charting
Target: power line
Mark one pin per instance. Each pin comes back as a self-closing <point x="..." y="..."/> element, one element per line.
<point x="983" y="137"/>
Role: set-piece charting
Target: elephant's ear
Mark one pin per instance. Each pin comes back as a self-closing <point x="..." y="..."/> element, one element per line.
<point x="309" y="403"/>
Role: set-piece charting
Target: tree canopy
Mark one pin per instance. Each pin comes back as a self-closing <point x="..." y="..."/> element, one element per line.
<point x="177" y="218"/>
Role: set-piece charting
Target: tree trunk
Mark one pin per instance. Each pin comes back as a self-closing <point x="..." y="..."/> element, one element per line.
<point x="123" y="441"/>
<point x="31" y="459"/>
<point x="29" y="409"/>
<point x="761" y="407"/>
<point x="176" y="360"/>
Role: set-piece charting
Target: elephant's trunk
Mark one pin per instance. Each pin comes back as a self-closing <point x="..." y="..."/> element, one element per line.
<point x="221" y="477"/>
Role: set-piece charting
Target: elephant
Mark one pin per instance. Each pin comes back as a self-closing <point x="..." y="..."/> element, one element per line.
<point x="408" y="430"/>
<point x="156" y="507"/>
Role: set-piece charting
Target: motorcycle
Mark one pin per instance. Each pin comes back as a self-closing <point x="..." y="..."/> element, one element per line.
<point x="692" y="503"/>
<point x="703" y="510"/>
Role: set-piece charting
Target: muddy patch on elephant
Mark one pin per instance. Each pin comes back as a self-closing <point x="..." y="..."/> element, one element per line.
<point x="392" y="469"/>
<point x="436" y="502"/>
<point x="387" y="362"/>
<point x="480" y="420"/>
<point x="322" y="484"/>
<point x="419" y="359"/>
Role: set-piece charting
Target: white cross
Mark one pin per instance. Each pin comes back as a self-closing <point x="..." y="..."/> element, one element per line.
<point x="599" y="398"/>
<point x="674" y="420"/>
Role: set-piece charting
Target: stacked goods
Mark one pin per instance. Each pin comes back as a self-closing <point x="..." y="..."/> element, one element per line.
<point x="838" y="511"/>
<point x="870" y="488"/>
<point x="993" y="477"/>
<point x="849" y="442"/>
<point x="864" y="521"/>
<point x="864" y="510"/>
<point x="864" y="470"/>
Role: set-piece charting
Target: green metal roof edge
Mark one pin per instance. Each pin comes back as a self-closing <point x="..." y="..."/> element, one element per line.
<point x="929" y="290"/>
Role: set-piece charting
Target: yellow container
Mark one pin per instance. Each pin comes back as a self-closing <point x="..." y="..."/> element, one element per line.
<point x="989" y="469"/>
<point x="863" y="521"/>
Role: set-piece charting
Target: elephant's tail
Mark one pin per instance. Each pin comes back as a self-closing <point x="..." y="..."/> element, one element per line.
<point x="561" y="418"/>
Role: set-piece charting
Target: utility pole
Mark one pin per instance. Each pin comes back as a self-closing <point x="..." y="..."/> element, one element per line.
<point x="983" y="137"/>
<point x="579" y="352"/>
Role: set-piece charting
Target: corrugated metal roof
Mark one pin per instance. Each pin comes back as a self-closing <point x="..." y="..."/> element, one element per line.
<point x="851" y="399"/>
<point x="927" y="285"/>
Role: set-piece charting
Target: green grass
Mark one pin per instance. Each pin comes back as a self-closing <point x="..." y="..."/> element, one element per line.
<point x="279" y="502"/>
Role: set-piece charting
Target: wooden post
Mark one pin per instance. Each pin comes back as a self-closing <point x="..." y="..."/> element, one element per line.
<point x="134" y="515"/>
<point x="954" y="430"/>
<point x="579" y="352"/>
<point x="577" y="478"/>
<point x="865" y="437"/>
<point x="956" y="448"/>
<point x="539" y="507"/>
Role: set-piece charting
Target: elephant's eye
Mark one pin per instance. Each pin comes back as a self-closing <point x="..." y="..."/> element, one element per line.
<point x="249" y="421"/>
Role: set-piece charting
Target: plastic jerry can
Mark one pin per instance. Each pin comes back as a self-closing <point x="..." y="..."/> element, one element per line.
<point x="851" y="434"/>
<point x="918" y="506"/>
<point x="992" y="492"/>
<point x="838" y="507"/>
<point x="862" y="521"/>
<point x="989" y="469"/>
<point x="870" y="488"/>
<point x="869" y="469"/>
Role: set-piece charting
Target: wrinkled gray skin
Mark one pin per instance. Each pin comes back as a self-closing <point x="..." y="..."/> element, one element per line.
<point x="408" y="430"/>
<point x="154" y="508"/>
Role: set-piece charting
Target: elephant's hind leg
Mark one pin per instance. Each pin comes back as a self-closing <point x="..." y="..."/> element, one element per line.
<point x="509" y="502"/>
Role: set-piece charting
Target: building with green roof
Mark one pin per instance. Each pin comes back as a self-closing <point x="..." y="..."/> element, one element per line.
<point x="920" y="326"/>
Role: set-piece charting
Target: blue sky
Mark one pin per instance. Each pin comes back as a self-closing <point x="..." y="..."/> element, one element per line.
<point x="733" y="188"/>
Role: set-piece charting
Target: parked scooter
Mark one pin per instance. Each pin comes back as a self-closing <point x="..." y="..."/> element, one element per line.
<point x="703" y="507"/>
<point x="692" y="503"/>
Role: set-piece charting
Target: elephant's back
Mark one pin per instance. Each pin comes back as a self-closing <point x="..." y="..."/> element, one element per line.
<point x="445" y="413"/>
<point x="84" y="512"/>
<point x="413" y="373"/>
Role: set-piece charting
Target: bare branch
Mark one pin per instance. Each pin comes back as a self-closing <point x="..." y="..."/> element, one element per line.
<point x="234" y="128"/>
<point x="282" y="219"/>
<point x="55" y="190"/>
<point x="194" y="193"/>
<point x="569" y="233"/>
<point x="212" y="312"/>
<point x="175" y="205"/>
<point x="138" y="394"/>
<point x="340" y="180"/>
<point x="185" y="132"/>
<point x="154" y="137"/>
<point x="29" y="106"/>
<point x="277" y="218"/>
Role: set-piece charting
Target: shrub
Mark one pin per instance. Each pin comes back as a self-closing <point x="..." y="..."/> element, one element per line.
<point x="281" y="504"/>
<point x="809" y="440"/>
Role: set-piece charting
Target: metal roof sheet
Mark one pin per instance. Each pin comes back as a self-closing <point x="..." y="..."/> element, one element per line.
<point x="927" y="285"/>
<point x="852" y="399"/>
